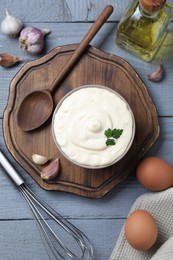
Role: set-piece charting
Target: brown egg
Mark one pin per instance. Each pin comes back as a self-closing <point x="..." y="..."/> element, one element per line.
<point x="141" y="230"/>
<point x="155" y="174"/>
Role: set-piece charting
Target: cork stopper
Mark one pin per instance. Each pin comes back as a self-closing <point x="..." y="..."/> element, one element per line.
<point x="152" y="5"/>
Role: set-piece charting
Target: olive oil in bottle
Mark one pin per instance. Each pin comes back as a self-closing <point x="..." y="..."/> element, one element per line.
<point x="144" y="26"/>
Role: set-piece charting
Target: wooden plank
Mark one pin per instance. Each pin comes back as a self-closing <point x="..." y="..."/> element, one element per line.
<point x="61" y="10"/>
<point x="104" y="40"/>
<point x="69" y="205"/>
<point x="26" y="242"/>
<point x="89" y="10"/>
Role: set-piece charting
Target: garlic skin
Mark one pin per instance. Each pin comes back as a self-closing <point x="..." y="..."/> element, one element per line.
<point x="11" y="25"/>
<point x="8" y="60"/>
<point x="39" y="159"/>
<point x="157" y="75"/>
<point x="51" y="171"/>
<point x="32" y="39"/>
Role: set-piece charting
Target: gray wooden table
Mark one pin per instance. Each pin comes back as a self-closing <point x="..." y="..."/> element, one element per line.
<point x="100" y="219"/>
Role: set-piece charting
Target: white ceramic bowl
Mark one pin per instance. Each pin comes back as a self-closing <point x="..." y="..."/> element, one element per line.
<point x="80" y="120"/>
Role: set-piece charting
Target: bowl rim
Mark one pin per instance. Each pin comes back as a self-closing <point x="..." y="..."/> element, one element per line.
<point x="133" y="126"/>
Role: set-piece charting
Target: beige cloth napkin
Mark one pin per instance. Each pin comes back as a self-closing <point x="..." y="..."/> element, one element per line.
<point x="160" y="205"/>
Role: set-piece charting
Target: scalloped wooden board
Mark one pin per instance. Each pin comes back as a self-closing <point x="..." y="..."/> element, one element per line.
<point x="94" y="67"/>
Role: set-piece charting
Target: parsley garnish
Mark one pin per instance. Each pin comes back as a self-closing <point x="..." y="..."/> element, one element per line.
<point x="111" y="135"/>
<point x="110" y="141"/>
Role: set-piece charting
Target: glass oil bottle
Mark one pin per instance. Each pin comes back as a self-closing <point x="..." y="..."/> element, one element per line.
<point x="144" y="26"/>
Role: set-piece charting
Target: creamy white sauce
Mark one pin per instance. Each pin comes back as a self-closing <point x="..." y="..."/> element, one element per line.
<point x="82" y="117"/>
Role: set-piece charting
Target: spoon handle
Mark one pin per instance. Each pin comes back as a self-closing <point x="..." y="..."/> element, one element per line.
<point x="82" y="46"/>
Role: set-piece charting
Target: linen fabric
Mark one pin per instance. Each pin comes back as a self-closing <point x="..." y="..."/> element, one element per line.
<point x="160" y="206"/>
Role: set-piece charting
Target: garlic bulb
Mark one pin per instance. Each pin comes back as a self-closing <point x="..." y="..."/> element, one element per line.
<point x="8" y="60"/>
<point x="39" y="159"/>
<point x="32" y="39"/>
<point x="11" y="25"/>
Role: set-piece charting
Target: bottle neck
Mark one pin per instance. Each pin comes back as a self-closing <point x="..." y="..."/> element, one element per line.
<point x="148" y="14"/>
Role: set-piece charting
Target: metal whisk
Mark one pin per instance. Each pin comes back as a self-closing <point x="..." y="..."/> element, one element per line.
<point x="46" y="218"/>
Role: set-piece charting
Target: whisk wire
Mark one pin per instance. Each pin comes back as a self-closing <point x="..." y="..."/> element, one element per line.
<point x="42" y="230"/>
<point x="54" y="216"/>
<point x="50" y="237"/>
<point x="77" y="235"/>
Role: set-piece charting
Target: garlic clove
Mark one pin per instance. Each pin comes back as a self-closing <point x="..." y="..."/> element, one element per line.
<point x="8" y="60"/>
<point x="39" y="159"/>
<point x="11" y="25"/>
<point x="51" y="171"/>
<point x="157" y="75"/>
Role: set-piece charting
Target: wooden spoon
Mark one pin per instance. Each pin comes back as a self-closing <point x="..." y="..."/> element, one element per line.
<point x="38" y="106"/>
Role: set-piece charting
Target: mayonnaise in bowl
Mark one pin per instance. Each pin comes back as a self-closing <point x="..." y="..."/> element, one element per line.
<point x="79" y="123"/>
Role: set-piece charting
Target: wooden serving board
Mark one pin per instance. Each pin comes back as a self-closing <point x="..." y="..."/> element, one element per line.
<point x="94" y="67"/>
